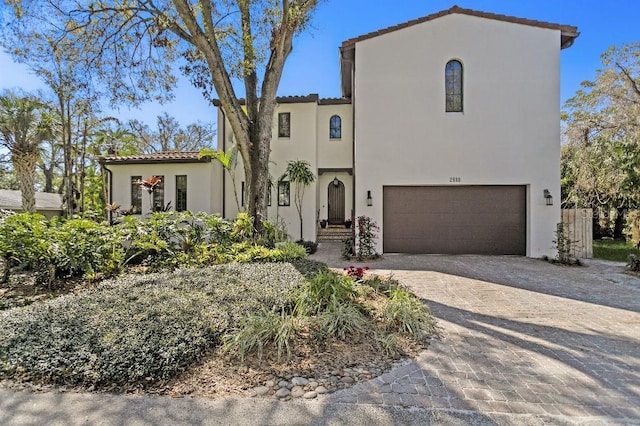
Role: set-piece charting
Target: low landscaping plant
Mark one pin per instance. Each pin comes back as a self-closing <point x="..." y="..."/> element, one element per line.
<point x="139" y="329"/>
<point x="323" y="290"/>
<point x="77" y="247"/>
<point x="407" y="314"/>
<point x="310" y="246"/>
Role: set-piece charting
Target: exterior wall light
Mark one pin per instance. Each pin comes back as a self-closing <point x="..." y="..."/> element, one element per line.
<point x="369" y="199"/>
<point x="548" y="198"/>
<point x="336" y="182"/>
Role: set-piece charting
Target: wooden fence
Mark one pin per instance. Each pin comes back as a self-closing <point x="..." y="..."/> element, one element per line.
<point x="579" y="224"/>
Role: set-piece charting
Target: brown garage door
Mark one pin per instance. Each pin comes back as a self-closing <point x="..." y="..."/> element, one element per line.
<point x="454" y="219"/>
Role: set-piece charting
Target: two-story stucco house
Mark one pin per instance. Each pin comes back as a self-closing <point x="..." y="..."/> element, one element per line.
<point x="447" y="135"/>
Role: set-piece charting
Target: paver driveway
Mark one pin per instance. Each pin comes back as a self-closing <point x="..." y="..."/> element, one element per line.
<point x="518" y="336"/>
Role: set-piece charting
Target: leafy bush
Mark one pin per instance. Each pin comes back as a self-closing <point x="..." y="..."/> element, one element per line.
<point x="404" y="312"/>
<point x="310" y="246"/>
<point x="140" y="329"/>
<point x="367" y="234"/>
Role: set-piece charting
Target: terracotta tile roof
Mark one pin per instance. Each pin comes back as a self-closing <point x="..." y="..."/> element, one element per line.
<point x="569" y="33"/>
<point x="12" y="200"/>
<point x="334" y="101"/>
<point x="312" y="97"/>
<point x="166" y="157"/>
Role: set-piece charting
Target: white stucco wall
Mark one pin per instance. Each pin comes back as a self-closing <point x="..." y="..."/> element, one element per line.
<point x="509" y="132"/>
<point x="335" y="153"/>
<point x="204" y="191"/>
<point x="309" y="140"/>
<point x="301" y="145"/>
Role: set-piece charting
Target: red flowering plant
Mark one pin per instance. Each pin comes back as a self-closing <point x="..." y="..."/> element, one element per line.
<point x="356" y="273"/>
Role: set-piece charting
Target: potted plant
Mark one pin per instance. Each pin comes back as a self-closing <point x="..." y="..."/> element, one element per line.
<point x="347" y="223"/>
<point x="323" y="223"/>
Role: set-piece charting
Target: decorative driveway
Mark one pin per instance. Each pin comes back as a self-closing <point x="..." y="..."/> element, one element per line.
<point x="518" y="336"/>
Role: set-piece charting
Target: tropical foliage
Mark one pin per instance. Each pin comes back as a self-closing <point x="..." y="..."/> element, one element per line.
<point x="601" y="156"/>
<point x="299" y="172"/>
<point x="24" y="124"/>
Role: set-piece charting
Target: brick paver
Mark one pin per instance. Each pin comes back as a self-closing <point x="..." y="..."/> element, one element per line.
<point x="517" y="336"/>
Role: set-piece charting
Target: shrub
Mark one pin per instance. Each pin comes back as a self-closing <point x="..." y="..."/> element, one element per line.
<point x="289" y="251"/>
<point x="367" y="234"/>
<point x="404" y="312"/>
<point x="310" y="246"/>
<point x="139" y="329"/>
<point x="348" y="248"/>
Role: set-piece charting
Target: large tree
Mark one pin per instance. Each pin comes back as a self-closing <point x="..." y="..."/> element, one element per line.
<point x="136" y="45"/>
<point x="170" y="136"/>
<point x="24" y="125"/>
<point x="32" y="35"/>
<point x="601" y="159"/>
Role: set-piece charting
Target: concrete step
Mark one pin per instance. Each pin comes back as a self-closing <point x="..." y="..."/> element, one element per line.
<point x="334" y="233"/>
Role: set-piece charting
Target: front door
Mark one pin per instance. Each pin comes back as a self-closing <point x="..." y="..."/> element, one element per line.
<point x="336" y="202"/>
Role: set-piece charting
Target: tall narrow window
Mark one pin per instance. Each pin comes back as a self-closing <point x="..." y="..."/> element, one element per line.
<point x="158" y="196"/>
<point x="284" y="124"/>
<point x="283" y="193"/>
<point x="453" y="86"/>
<point x="181" y="193"/>
<point x="136" y="195"/>
<point x="335" y="127"/>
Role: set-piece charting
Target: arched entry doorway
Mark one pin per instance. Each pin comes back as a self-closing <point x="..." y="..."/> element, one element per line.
<point x="335" y="206"/>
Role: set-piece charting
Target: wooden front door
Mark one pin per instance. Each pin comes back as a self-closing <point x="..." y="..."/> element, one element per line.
<point x="336" y="202"/>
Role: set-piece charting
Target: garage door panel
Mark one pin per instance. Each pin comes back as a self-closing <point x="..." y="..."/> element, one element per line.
<point x="455" y="220"/>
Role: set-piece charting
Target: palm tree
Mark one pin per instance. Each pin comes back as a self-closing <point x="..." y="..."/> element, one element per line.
<point x="299" y="172"/>
<point x="228" y="160"/>
<point x="24" y="125"/>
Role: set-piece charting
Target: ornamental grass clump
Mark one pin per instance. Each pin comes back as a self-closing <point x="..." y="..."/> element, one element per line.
<point x="261" y="330"/>
<point x="325" y="289"/>
<point x="407" y="314"/>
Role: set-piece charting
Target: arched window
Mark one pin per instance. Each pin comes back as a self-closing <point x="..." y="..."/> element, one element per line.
<point x="335" y="127"/>
<point x="453" y="86"/>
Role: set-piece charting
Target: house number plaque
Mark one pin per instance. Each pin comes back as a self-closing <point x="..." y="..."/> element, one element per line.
<point x="454" y="179"/>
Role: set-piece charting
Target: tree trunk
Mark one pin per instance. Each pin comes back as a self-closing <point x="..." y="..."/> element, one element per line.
<point x="24" y="165"/>
<point x="259" y="175"/>
<point x="618" y="225"/>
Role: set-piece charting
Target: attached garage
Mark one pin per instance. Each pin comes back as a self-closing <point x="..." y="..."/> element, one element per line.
<point x="455" y="219"/>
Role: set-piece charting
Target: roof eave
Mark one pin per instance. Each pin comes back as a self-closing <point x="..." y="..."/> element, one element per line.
<point x="153" y="160"/>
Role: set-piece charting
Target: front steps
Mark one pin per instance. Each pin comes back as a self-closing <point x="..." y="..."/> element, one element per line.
<point x="334" y="233"/>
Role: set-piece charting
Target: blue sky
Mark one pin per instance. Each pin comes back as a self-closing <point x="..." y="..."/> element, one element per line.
<point x="313" y="65"/>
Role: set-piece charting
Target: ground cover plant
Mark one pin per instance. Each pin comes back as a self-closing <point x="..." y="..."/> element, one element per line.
<point x="140" y="331"/>
<point x="137" y="329"/>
